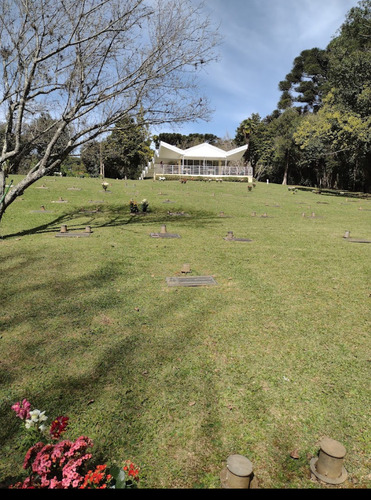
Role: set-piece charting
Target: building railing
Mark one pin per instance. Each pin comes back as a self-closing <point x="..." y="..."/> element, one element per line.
<point x="203" y="170"/>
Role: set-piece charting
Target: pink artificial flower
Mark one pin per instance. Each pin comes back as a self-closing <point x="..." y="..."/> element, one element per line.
<point x="65" y="458"/>
<point x="31" y="454"/>
<point x="22" y="409"/>
<point x="55" y="484"/>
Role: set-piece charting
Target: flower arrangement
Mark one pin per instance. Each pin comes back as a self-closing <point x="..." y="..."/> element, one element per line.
<point x="144" y="205"/>
<point x="133" y="207"/>
<point x="64" y="464"/>
<point x="105" y="185"/>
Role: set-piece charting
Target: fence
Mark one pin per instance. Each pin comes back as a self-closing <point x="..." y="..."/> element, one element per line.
<point x="203" y="170"/>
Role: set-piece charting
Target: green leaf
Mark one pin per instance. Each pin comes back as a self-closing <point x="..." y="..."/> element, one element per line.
<point x="119" y="476"/>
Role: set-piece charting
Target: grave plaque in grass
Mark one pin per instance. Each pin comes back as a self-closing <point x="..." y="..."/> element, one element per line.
<point x="354" y="240"/>
<point x="192" y="281"/>
<point x="85" y="211"/>
<point x="164" y="235"/>
<point x="230" y="237"/>
<point x="178" y="214"/>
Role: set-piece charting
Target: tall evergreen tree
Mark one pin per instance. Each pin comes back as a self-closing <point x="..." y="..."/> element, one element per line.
<point x="127" y="150"/>
<point x="306" y="82"/>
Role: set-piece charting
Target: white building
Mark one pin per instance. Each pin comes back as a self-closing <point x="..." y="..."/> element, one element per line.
<point x="203" y="160"/>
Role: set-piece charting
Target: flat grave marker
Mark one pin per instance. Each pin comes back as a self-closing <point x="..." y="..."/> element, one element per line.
<point x="192" y="281"/>
<point x="178" y="214"/>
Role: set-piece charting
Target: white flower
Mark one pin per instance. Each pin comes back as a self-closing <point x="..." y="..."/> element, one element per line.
<point x="42" y="427"/>
<point x="29" y="423"/>
<point x="38" y="416"/>
<point x="42" y="417"/>
<point x="34" y="414"/>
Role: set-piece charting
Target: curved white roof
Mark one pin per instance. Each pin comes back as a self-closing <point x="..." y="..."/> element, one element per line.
<point x="199" y="152"/>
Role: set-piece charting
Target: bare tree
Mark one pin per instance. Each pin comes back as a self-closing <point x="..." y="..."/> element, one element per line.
<point x="88" y="64"/>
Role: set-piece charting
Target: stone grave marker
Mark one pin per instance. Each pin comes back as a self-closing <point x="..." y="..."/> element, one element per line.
<point x="64" y="233"/>
<point x="230" y="237"/>
<point x="186" y="268"/>
<point x="61" y="200"/>
<point x="353" y="240"/>
<point x="42" y="211"/>
<point x="164" y="234"/>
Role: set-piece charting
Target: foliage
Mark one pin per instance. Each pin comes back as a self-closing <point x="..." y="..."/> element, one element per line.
<point x="91" y="157"/>
<point x="306" y="81"/>
<point x="350" y="61"/>
<point x="340" y="134"/>
<point x="254" y="131"/>
<point x="126" y="151"/>
<point x="184" y="141"/>
<point x="73" y="167"/>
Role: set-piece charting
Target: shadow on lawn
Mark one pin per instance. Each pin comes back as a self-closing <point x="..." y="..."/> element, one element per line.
<point x="115" y="217"/>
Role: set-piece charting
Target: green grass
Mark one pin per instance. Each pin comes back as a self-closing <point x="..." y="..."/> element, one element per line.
<point x="177" y="379"/>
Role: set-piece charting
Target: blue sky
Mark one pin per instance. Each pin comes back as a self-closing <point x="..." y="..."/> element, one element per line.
<point x="261" y="40"/>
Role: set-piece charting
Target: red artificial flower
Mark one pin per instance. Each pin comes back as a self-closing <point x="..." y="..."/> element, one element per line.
<point x="132" y="470"/>
<point x="96" y="479"/>
<point x="58" y="426"/>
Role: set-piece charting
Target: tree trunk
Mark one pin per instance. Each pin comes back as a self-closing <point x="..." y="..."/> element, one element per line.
<point x="367" y="174"/>
<point x="2" y="193"/>
<point x="285" y="174"/>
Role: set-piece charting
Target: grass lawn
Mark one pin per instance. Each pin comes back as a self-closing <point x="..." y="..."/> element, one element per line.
<point x="271" y="360"/>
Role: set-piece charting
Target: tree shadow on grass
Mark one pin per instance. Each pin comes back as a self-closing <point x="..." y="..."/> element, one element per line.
<point x="115" y="216"/>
